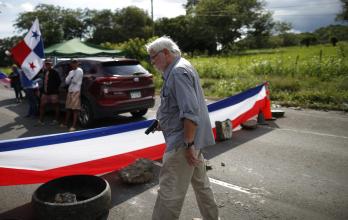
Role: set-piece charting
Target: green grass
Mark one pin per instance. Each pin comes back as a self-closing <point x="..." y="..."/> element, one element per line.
<point x="6" y="70"/>
<point x="313" y="77"/>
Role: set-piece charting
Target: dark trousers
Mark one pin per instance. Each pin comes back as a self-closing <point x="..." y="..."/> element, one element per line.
<point x="33" y="101"/>
<point x="18" y="91"/>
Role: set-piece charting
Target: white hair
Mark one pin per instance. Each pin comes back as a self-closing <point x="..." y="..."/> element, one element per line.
<point x="161" y="43"/>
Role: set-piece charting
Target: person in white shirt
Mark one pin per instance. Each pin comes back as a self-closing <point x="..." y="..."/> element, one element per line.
<point x="73" y="100"/>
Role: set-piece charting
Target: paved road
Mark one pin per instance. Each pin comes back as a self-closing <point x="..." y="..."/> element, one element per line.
<point x="294" y="168"/>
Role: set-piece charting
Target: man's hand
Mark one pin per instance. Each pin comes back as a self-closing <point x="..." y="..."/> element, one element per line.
<point x="158" y="128"/>
<point x="191" y="158"/>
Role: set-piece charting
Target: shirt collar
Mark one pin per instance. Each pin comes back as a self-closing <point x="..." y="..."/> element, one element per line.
<point x="170" y="67"/>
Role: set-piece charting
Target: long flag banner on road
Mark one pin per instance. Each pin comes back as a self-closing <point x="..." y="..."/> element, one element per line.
<point x="4" y="80"/>
<point x="29" y="52"/>
<point x="101" y="150"/>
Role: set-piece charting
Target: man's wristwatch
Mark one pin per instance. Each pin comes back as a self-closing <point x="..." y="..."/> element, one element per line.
<point x="188" y="145"/>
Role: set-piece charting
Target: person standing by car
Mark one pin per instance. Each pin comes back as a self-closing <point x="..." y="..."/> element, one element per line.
<point x="184" y="120"/>
<point x="16" y="84"/>
<point x="50" y="91"/>
<point x="73" y="100"/>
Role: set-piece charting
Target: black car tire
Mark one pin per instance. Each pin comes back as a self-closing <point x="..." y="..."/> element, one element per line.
<point x="86" y="116"/>
<point x="139" y="113"/>
<point x="93" y="199"/>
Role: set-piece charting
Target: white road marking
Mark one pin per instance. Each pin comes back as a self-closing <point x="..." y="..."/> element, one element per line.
<point x="218" y="182"/>
<point x="230" y="186"/>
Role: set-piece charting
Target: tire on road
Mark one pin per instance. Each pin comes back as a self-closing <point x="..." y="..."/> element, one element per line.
<point x="93" y="197"/>
<point x="86" y="116"/>
<point x="139" y="113"/>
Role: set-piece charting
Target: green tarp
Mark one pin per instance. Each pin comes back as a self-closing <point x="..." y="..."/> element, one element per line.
<point x="76" y="48"/>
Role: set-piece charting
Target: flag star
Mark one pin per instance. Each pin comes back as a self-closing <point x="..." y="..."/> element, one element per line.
<point x="32" y="65"/>
<point x="35" y="34"/>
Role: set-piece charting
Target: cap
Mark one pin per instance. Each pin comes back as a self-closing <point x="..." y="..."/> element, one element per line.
<point x="48" y="60"/>
<point x="74" y="61"/>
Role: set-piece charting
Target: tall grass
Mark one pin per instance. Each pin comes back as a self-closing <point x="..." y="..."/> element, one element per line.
<point x="315" y="77"/>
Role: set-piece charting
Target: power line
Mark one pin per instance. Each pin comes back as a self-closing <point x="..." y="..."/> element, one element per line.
<point x="306" y="15"/>
<point x="304" y="5"/>
<point x="288" y="15"/>
<point x="280" y="7"/>
<point x="227" y="13"/>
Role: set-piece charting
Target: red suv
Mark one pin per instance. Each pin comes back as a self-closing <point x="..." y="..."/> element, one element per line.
<point x="110" y="86"/>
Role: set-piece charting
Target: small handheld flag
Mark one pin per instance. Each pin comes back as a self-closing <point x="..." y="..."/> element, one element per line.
<point x="4" y="80"/>
<point x="29" y="52"/>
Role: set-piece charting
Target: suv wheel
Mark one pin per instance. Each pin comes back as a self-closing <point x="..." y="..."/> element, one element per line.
<point x="86" y="114"/>
<point x="139" y="113"/>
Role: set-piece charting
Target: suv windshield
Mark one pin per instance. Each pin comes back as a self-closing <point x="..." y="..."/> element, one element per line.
<point x="113" y="68"/>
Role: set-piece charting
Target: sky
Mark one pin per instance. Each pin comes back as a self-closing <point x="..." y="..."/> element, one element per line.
<point x="305" y="15"/>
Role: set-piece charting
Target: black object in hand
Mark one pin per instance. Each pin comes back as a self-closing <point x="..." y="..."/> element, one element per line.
<point x="152" y="127"/>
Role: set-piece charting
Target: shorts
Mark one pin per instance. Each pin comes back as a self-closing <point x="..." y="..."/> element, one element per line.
<point x="73" y="101"/>
<point x="49" y="99"/>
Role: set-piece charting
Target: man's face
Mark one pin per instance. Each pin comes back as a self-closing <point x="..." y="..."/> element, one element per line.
<point x="73" y="65"/>
<point x="158" y="59"/>
<point x="48" y="65"/>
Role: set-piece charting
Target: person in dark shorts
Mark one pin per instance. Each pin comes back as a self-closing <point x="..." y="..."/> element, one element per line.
<point x="50" y="91"/>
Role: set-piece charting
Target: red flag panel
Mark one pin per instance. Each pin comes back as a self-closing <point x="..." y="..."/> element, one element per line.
<point x="20" y="52"/>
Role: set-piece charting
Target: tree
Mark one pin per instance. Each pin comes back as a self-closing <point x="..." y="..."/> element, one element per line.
<point x="282" y="30"/>
<point x="50" y="22"/>
<point x="177" y="28"/>
<point x="56" y="23"/>
<point x="200" y="38"/>
<point x="282" y="27"/>
<point x="334" y="41"/>
<point x="104" y="27"/>
<point x="6" y="44"/>
<point x="343" y="16"/>
<point x="135" y="23"/>
<point x="120" y="26"/>
<point x="324" y="34"/>
<point x="73" y="24"/>
<point x="190" y="33"/>
<point x="261" y="30"/>
<point x="227" y="18"/>
<point x="308" y="39"/>
<point x="190" y="6"/>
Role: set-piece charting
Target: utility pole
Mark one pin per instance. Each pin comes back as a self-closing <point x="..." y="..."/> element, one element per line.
<point x="153" y="23"/>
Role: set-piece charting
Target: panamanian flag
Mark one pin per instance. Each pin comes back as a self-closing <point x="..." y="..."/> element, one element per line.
<point x="29" y="52"/>
<point x="4" y="80"/>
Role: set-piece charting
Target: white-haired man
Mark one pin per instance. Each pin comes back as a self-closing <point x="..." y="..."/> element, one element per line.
<point x="184" y="120"/>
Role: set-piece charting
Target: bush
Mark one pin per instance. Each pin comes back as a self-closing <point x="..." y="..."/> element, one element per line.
<point x="314" y="77"/>
<point x="284" y="84"/>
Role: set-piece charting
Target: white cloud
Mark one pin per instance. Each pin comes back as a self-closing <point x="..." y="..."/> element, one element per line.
<point x="5" y="5"/>
<point x="305" y="15"/>
<point x="27" y="6"/>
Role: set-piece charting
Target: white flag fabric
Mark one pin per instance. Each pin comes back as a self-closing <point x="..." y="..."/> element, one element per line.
<point x="101" y="150"/>
<point x="29" y="52"/>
